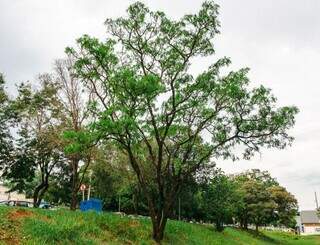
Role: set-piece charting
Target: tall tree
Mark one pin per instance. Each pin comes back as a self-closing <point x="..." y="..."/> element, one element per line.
<point x="74" y="99"/>
<point x="6" y="118"/>
<point x="37" y="150"/>
<point x="169" y="122"/>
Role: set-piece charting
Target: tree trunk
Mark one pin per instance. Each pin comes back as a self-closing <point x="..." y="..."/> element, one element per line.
<point x="245" y="224"/>
<point x="75" y="187"/>
<point x="257" y="227"/>
<point x="159" y="211"/>
<point x="135" y="203"/>
<point x="39" y="193"/>
<point x="219" y="226"/>
<point x="158" y="226"/>
<point x="74" y="200"/>
<point x="160" y="204"/>
<point x="36" y="202"/>
<point x="40" y="190"/>
<point x="241" y="224"/>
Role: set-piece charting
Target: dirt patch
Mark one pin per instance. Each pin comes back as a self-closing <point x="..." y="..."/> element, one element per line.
<point x="10" y="241"/>
<point x="18" y="214"/>
<point x="11" y="235"/>
<point x="134" y="223"/>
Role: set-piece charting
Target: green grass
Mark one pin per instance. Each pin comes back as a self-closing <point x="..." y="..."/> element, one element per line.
<point x="31" y="226"/>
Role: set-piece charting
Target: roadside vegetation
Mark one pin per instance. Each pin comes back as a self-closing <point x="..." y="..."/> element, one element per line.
<point x="34" y="226"/>
<point x="128" y="116"/>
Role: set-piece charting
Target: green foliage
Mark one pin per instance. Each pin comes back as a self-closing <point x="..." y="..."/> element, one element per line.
<point x="149" y="103"/>
<point x="37" y="147"/>
<point x="262" y="201"/>
<point x="7" y="117"/>
<point x="133" y="96"/>
<point x="287" y="206"/>
<point x="21" y="171"/>
<point x="258" y="202"/>
<point x="262" y="177"/>
<point x="60" y="185"/>
<point x="77" y="142"/>
<point x="115" y="172"/>
<point x="218" y="200"/>
<point x="191" y="202"/>
<point x="65" y="227"/>
<point x="156" y="61"/>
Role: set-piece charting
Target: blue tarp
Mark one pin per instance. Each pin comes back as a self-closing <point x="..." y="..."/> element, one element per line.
<point x="91" y="204"/>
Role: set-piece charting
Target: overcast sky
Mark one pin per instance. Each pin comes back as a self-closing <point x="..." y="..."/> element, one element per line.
<point x="278" y="39"/>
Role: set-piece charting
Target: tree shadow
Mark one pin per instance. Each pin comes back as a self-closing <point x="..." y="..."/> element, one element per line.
<point x="261" y="236"/>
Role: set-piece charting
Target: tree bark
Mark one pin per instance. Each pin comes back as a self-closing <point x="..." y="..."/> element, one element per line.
<point x="36" y="191"/>
<point x="74" y="200"/>
<point x="39" y="192"/>
<point x="159" y="215"/>
<point x="219" y="226"/>
<point x="160" y="204"/>
<point x="246" y="225"/>
<point x="135" y="203"/>
<point x="75" y="187"/>
<point x="158" y="226"/>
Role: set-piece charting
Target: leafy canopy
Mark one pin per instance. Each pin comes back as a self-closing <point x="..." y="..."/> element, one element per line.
<point x="169" y="121"/>
<point x="142" y="80"/>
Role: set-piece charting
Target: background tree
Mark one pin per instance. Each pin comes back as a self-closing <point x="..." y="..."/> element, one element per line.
<point x="287" y="206"/>
<point x="189" y="201"/>
<point x="218" y="200"/>
<point x="7" y="117"/>
<point x="157" y="112"/>
<point x="241" y="205"/>
<point x="74" y="98"/>
<point x="113" y="170"/>
<point x="263" y="177"/>
<point x="260" y="200"/>
<point x="259" y="204"/>
<point x="37" y="151"/>
<point x="60" y="186"/>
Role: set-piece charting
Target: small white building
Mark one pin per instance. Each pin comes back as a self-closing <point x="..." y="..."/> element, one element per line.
<point x="4" y="195"/>
<point x="308" y="222"/>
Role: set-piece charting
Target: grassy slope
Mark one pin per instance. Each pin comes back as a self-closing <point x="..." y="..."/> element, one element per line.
<point x="30" y="226"/>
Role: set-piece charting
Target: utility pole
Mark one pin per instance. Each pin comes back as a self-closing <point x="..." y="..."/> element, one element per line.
<point x="316" y="199"/>
<point x="89" y="189"/>
<point x="89" y="193"/>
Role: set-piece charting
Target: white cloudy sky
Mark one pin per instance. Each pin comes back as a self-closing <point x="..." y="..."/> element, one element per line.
<point x="278" y="39"/>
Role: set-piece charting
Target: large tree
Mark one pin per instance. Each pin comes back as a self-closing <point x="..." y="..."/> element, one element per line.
<point x="74" y="98"/>
<point x="167" y="120"/>
<point x="37" y="151"/>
